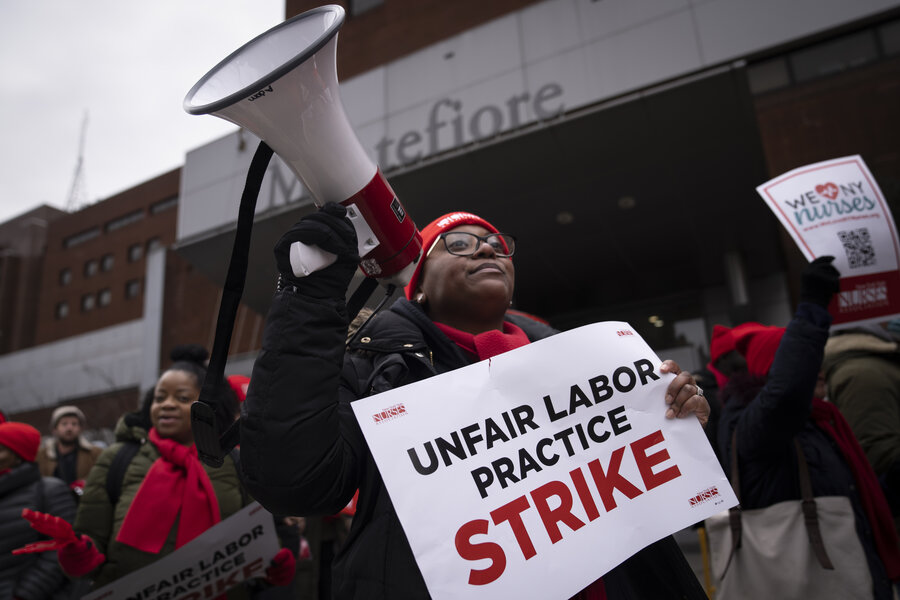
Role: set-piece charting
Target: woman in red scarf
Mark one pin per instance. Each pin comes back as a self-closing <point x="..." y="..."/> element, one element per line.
<point x="302" y="449"/>
<point x="768" y="377"/>
<point x="166" y="496"/>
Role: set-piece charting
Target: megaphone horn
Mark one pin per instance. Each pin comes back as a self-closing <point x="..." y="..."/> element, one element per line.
<point x="282" y="86"/>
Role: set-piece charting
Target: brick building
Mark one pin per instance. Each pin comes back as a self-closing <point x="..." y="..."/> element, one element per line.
<point x="100" y="300"/>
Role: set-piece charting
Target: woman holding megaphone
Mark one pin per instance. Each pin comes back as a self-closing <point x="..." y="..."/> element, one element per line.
<point x="303" y="452"/>
<point x="148" y="494"/>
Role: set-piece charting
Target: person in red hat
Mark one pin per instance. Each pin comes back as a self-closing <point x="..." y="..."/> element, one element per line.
<point x="770" y="377"/>
<point x="303" y="452"/>
<point x="29" y="577"/>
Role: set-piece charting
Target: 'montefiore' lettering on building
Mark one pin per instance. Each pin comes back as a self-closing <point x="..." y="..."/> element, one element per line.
<point x="449" y="126"/>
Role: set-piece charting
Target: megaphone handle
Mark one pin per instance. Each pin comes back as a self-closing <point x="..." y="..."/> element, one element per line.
<point x="203" y="422"/>
<point x="309" y="259"/>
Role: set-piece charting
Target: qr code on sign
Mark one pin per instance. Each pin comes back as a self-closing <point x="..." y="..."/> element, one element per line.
<point x="858" y="246"/>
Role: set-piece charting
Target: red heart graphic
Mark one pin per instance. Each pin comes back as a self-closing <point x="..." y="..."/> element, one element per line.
<point x="829" y="190"/>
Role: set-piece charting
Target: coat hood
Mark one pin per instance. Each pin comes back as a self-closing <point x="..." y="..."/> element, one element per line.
<point x="855" y="344"/>
<point x="127" y="431"/>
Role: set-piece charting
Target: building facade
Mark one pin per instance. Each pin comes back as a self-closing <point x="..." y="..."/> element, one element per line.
<point x="621" y="142"/>
<point x="23" y="243"/>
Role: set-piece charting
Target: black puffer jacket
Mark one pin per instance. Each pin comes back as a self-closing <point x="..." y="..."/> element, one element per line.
<point x="768" y="413"/>
<point x="304" y="454"/>
<point x="30" y="576"/>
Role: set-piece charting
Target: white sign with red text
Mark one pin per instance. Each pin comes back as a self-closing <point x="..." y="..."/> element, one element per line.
<point x="835" y="208"/>
<point x="532" y="474"/>
<point x="222" y="557"/>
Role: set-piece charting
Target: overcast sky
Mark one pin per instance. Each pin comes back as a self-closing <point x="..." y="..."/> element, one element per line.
<point x="128" y="67"/>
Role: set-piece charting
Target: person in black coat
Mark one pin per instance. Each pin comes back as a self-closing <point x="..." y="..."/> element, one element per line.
<point x="303" y="452"/>
<point x="768" y="401"/>
<point x="28" y="576"/>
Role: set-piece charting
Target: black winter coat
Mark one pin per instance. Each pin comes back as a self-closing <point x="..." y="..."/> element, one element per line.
<point x="768" y="413"/>
<point x="304" y="454"/>
<point x="30" y="576"/>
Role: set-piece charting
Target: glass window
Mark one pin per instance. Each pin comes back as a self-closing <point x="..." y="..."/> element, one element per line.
<point x="88" y="302"/>
<point x="135" y="252"/>
<point x="80" y="238"/>
<point x="834" y="56"/>
<point x="132" y="288"/>
<point x="163" y="205"/>
<point x="104" y="297"/>
<point x="890" y="37"/>
<point x="90" y="268"/>
<point x="106" y="263"/>
<point x="65" y="276"/>
<point x="62" y="310"/>
<point x="153" y="244"/>
<point x="128" y="219"/>
<point x="768" y="75"/>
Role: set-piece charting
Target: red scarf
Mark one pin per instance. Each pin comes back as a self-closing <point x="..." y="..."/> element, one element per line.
<point x="487" y="345"/>
<point x="176" y="482"/>
<point x="828" y="418"/>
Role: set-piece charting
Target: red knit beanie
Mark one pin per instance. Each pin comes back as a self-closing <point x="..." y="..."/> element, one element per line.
<point x="239" y="383"/>
<point x="430" y="235"/>
<point x="758" y="343"/>
<point x="21" y="438"/>
<point x="722" y="343"/>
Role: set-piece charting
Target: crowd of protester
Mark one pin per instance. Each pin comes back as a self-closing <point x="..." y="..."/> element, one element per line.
<point x="100" y="514"/>
<point x="775" y="389"/>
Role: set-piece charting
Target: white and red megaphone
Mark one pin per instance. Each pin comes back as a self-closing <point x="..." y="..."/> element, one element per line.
<point x="282" y="86"/>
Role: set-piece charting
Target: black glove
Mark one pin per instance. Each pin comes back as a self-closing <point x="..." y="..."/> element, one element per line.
<point x="890" y="483"/>
<point x="819" y="281"/>
<point x="331" y="230"/>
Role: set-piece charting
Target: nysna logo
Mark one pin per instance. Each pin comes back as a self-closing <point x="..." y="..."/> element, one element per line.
<point x="624" y="332"/>
<point x="829" y="190"/>
<point x="453" y="218"/>
<point x="392" y="412"/>
<point x="871" y="295"/>
<point x="706" y="495"/>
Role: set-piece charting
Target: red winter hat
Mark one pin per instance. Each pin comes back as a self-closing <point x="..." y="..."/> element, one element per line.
<point x="722" y="343"/>
<point x="430" y="235"/>
<point x="758" y="344"/>
<point x="239" y="383"/>
<point x="21" y="438"/>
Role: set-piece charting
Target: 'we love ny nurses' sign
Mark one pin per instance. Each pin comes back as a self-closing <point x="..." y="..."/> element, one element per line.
<point x="836" y="208"/>
<point x="552" y="458"/>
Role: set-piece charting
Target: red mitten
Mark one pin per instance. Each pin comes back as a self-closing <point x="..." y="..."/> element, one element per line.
<point x="281" y="571"/>
<point x="55" y="527"/>
<point x="79" y="557"/>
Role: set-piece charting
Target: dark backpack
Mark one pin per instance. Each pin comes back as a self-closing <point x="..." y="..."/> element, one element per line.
<point x="117" y="468"/>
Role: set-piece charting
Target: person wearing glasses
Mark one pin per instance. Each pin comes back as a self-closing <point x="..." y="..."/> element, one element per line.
<point x="302" y="450"/>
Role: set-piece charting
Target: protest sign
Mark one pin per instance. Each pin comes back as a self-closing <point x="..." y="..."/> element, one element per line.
<point x="835" y="208"/>
<point x="236" y="549"/>
<point x="554" y="458"/>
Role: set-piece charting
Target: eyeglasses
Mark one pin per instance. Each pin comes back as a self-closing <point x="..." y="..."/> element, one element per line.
<point x="463" y="243"/>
